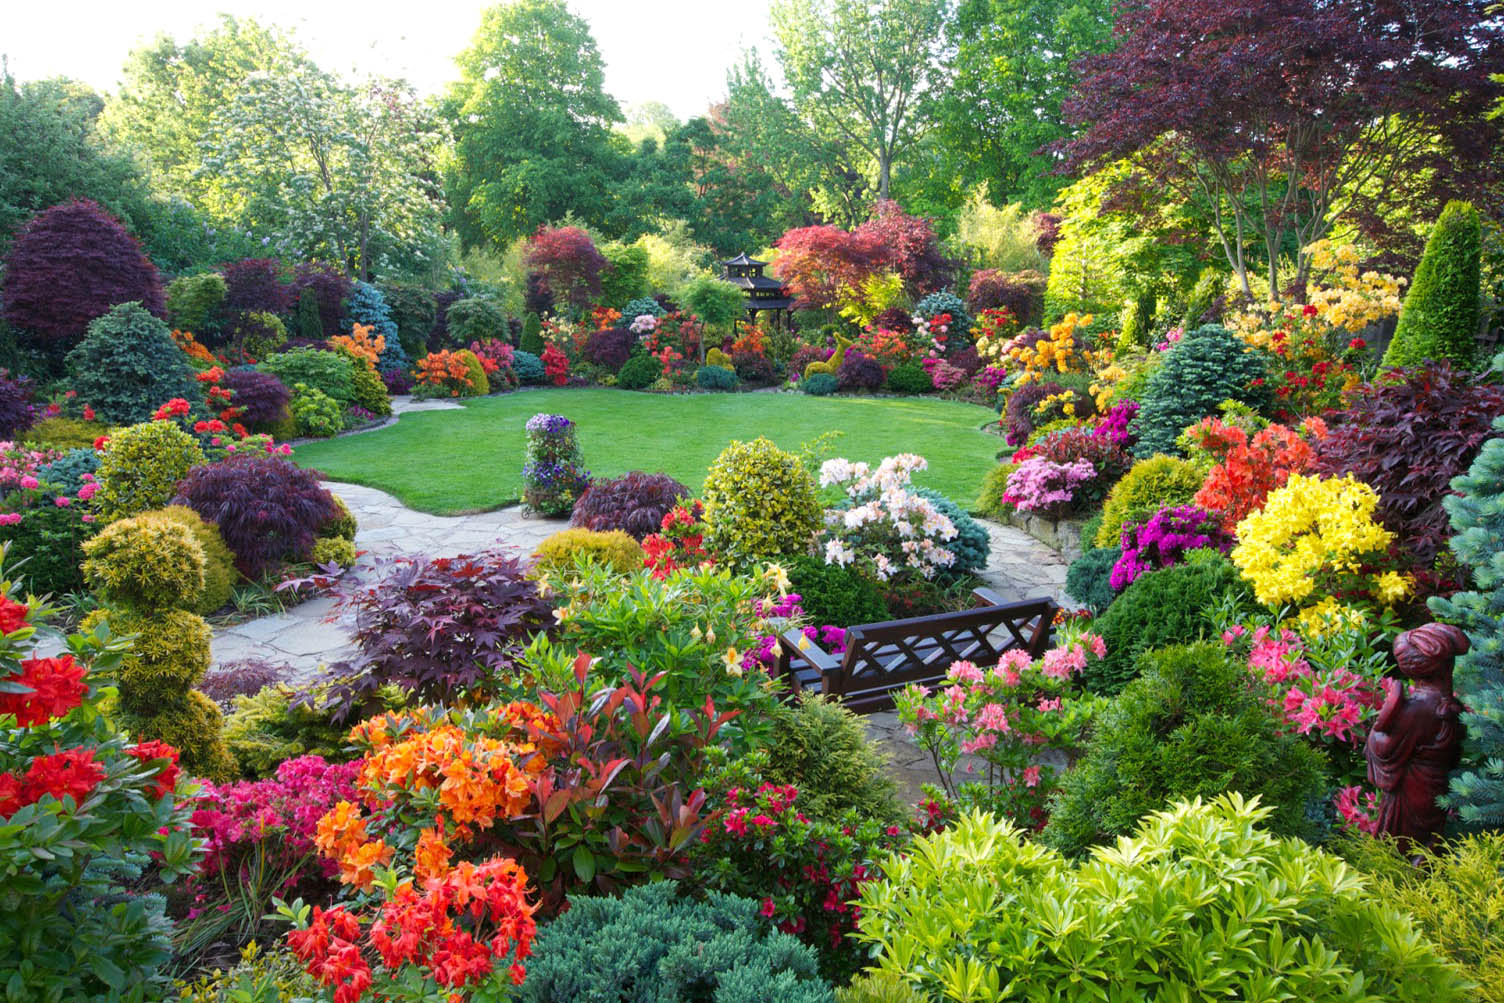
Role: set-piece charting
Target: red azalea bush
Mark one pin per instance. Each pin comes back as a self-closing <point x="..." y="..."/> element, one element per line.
<point x="679" y="542"/>
<point x="1407" y="434"/>
<point x="70" y="264"/>
<point x="806" y="873"/>
<point x="1249" y="467"/>
<point x="443" y="629"/>
<point x="634" y="503"/>
<point x="268" y="510"/>
<point x="556" y="365"/>
<point x="76" y="799"/>
<point x="260" y="398"/>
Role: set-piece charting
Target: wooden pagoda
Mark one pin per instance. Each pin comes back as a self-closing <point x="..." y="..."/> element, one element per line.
<point x="763" y="292"/>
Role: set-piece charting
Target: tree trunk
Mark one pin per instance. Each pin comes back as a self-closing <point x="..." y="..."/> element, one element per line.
<point x="884" y="170"/>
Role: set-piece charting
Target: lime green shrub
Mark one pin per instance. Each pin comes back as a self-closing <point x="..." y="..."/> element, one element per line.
<point x="1440" y="317"/>
<point x="64" y="433"/>
<point x="1148" y="486"/>
<point x="1201" y="903"/>
<point x="613" y="549"/>
<point x="343" y="525"/>
<point x="141" y="467"/>
<point x="1456" y="897"/>
<point x="716" y="357"/>
<point x="368" y="391"/>
<point x="759" y="503"/>
<point x="220" y="575"/>
<point x="315" y="413"/>
<point x="479" y="385"/>
<point x="271" y="726"/>
<point x="333" y="550"/>
<point x="1192" y="725"/>
<point x="832" y="364"/>
<point x="149" y="570"/>
<point x="1137" y="322"/>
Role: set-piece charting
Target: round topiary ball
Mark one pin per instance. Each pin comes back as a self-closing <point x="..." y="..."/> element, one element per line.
<point x="639" y="373"/>
<point x="141" y="467"/>
<point x="146" y="563"/>
<point x="759" y="503"/>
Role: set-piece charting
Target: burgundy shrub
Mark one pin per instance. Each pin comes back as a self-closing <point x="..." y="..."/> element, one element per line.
<point x="634" y="503"/>
<point x="71" y="264"/>
<point x="1021" y="293"/>
<point x="537" y="298"/>
<point x="17" y="413"/>
<point x="895" y="318"/>
<point x="1018" y="419"/>
<point x="261" y="397"/>
<point x="255" y="284"/>
<point x="913" y="249"/>
<point x="818" y="262"/>
<point x="268" y="510"/>
<point x="245" y="677"/>
<point x="398" y="381"/>
<point x="859" y="372"/>
<point x="609" y="348"/>
<point x="331" y="287"/>
<point x="1047" y="230"/>
<point x="1407" y="434"/>
<point x="440" y="628"/>
<point x="966" y="358"/>
<point x="804" y="355"/>
<point x="752" y="367"/>
<point x="568" y="264"/>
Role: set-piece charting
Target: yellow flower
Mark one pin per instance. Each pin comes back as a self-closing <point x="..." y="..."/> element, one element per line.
<point x="1392" y="587"/>
<point x="732" y="659"/>
<point x="779" y="579"/>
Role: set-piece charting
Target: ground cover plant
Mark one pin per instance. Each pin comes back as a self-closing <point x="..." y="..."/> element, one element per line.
<point x="427" y="460"/>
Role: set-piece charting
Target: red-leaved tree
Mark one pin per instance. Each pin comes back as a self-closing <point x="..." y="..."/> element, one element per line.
<point x="70" y="264"/>
<point x="255" y="284"/>
<point x="567" y="265"/>
<point x="1286" y="117"/>
<point x="818" y="262"/>
<point x="912" y="249"/>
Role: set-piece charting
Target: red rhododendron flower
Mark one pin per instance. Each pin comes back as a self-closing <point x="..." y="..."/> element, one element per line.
<point x="56" y="686"/>
<point x="12" y="615"/>
<point x="88" y="413"/>
<point x="63" y="774"/>
<point x="151" y="751"/>
<point x="10" y="795"/>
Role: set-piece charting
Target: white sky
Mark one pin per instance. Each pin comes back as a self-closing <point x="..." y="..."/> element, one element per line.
<point x="674" y="51"/>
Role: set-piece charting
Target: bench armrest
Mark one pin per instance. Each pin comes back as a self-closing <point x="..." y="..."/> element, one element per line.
<point x="985" y="597"/>
<point x="799" y="646"/>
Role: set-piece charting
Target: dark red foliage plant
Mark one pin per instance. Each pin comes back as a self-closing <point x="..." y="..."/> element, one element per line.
<point x="268" y="510"/>
<point x="261" y="397"/>
<point x="330" y="286"/>
<point x="69" y="265"/>
<point x="752" y="367"/>
<point x="1407" y="434"/>
<point x="609" y="348"/>
<point x="567" y="264"/>
<point x="634" y="503"/>
<point x="818" y="262"/>
<point x="255" y="284"/>
<point x="1020" y="293"/>
<point x="859" y="372"/>
<point x="913" y="250"/>
<point x="17" y="412"/>
<point x="444" y="629"/>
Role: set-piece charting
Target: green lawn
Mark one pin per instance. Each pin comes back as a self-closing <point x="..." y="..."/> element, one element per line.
<point x="448" y="462"/>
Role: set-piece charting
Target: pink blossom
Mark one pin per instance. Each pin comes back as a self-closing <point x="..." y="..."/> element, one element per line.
<point x="993" y="718"/>
<point x="29" y="482"/>
<point x="964" y="672"/>
<point x="62" y="501"/>
<point x="1031" y="776"/>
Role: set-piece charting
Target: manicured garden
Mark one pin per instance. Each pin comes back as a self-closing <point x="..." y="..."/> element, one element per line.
<point x="447" y="462"/>
<point x="624" y="752"/>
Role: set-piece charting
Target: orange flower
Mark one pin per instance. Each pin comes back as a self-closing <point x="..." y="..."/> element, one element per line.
<point x="432" y="855"/>
<point x="356" y="866"/>
<point x="341" y="828"/>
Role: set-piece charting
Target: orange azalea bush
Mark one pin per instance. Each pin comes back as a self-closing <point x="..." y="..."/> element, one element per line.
<point x="1248" y="467"/>
<point x="192" y="348"/>
<point x="362" y="343"/>
<point x="444" y="372"/>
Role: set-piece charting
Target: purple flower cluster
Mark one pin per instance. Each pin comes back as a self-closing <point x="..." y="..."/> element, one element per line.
<point x="1046" y="487"/>
<point x="552" y="472"/>
<point x="1113" y="425"/>
<point x="832" y="639"/>
<point x="548" y="425"/>
<point x="1164" y="540"/>
<point x="278" y="817"/>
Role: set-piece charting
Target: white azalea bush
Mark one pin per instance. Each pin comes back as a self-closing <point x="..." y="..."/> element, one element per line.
<point x="886" y="529"/>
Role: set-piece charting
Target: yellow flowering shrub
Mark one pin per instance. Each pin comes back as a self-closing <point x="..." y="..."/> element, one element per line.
<point x="1317" y="537"/>
<point x="1057" y="352"/>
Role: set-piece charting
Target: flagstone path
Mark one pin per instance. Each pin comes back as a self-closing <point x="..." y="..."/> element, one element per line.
<point x="310" y="635"/>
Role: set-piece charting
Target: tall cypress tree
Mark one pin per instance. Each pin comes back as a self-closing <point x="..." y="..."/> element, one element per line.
<point x="1440" y="316"/>
<point x="1478" y="517"/>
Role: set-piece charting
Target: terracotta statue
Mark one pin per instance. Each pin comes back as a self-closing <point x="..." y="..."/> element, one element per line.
<point x="1417" y="738"/>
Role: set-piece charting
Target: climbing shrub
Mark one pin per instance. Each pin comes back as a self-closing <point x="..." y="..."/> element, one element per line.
<point x="268" y="510"/>
<point x="635" y="502"/>
<point x="759" y="503"/>
<point x="127" y="365"/>
<point x="141" y="466"/>
<point x="1193" y="724"/>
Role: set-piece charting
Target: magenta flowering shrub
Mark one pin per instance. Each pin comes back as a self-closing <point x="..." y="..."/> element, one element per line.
<point x="1164" y="539"/>
<point x="1067" y="445"/>
<point x="943" y="375"/>
<point x="1047" y="488"/>
<point x="788" y="611"/>
<point x="259" y="836"/>
<point x="1003" y="717"/>
<point x="1115" y="425"/>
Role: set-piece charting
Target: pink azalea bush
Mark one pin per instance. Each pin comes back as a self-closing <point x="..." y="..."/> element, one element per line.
<point x="1047" y="488"/>
<point x="1004" y="717"/>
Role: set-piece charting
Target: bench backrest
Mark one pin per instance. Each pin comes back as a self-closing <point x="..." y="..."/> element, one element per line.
<point x="882" y="658"/>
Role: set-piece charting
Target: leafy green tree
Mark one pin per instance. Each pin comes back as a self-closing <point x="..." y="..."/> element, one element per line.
<point x="328" y="171"/>
<point x="1012" y="73"/>
<point x="50" y="152"/>
<point x="865" y="71"/>
<point x="716" y="302"/>
<point x="655" y="186"/>
<point x="1440" y="316"/>
<point x="532" y="124"/>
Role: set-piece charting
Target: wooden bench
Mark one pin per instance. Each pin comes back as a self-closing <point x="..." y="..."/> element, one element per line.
<point x="883" y="658"/>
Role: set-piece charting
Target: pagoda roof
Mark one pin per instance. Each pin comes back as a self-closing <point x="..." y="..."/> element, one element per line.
<point x="784" y="303"/>
<point x="742" y="259"/>
<point x="754" y="282"/>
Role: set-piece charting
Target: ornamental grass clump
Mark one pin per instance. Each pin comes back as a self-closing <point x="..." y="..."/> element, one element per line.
<point x="553" y="472"/>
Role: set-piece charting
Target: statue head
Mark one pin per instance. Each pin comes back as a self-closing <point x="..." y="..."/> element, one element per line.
<point x="1427" y="652"/>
